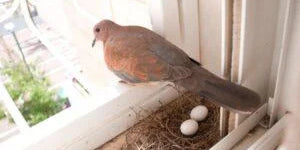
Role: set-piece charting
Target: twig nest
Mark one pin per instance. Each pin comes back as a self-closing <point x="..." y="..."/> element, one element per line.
<point x="189" y="127"/>
<point x="199" y="113"/>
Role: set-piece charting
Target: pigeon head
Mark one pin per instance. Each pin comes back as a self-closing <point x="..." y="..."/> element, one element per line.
<point x="103" y="29"/>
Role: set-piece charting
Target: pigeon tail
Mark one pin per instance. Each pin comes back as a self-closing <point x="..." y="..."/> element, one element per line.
<point x="222" y="92"/>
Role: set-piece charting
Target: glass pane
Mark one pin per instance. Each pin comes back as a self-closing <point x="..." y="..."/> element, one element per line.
<point x="43" y="80"/>
<point x="32" y="75"/>
<point x="74" y="20"/>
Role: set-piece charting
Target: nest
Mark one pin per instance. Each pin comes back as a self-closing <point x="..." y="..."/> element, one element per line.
<point x="161" y="130"/>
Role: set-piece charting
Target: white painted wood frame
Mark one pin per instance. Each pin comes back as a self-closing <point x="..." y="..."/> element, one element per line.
<point x="13" y="109"/>
<point x="258" y="27"/>
<point x="239" y="133"/>
<point x="271" y="139"/>
<point x="91" y="124"/>
<point x="226" y="55"/>
<point x="278" y="68"/>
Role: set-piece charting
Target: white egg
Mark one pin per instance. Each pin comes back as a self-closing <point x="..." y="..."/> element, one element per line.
<point x="189" y="127"/>
<point x="199" y="113"/>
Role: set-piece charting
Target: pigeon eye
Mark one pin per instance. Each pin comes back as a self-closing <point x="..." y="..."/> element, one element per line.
<point x="97" y="29"/>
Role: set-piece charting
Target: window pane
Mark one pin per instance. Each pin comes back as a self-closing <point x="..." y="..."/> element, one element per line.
<point x="32" y="75"/>
<point x="43" y="80"/>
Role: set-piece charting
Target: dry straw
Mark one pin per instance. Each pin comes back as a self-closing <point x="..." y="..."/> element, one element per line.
<point x="161" y="130"/>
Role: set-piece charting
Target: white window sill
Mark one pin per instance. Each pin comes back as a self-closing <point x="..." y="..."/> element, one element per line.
<point x="94" y="121"/>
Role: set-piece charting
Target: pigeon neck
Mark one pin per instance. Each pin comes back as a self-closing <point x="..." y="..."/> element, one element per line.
<point x="113" y="30"/>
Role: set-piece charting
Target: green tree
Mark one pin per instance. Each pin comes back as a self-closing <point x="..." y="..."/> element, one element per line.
<point x="31" y="93"/>
<point x="2" y="113"/>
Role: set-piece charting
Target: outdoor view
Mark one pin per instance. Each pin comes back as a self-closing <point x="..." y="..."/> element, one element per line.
<point x="57" y="68"/>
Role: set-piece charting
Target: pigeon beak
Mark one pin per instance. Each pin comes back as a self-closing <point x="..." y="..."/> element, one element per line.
<point x="94" y="42"/>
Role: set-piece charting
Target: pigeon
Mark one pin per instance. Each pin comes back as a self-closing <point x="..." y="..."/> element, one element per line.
<point x="138" y="55"/>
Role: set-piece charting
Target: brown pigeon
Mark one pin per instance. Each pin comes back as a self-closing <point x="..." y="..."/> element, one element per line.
<point x="136" y="54"/>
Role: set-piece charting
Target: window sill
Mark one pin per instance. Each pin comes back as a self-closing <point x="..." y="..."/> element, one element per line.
<point x="94" y="121"/>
